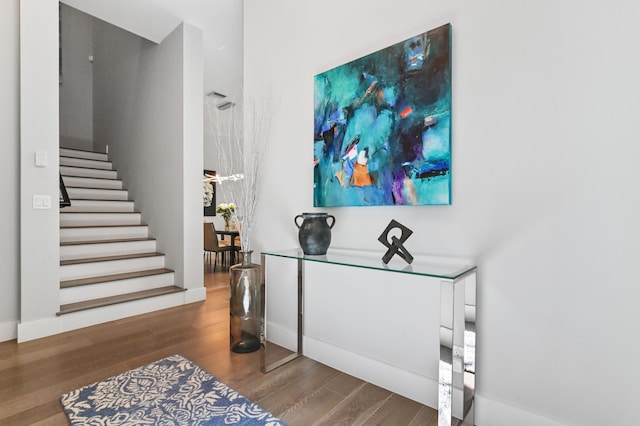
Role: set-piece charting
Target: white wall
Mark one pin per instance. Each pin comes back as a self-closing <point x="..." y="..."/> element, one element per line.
<point x="192" y="161"/>
<point x="154" y="133"/>
<point x="40" y="240"/>
<point x="10" y="165"/>
<point x="76" y="88"/>
<point x="545" y="98"/>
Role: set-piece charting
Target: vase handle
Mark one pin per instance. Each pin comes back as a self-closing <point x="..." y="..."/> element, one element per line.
<point x="295" y="220"/>
<point x="333" y="221"/>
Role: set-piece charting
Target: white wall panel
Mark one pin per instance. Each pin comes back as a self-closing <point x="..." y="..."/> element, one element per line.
<point x="545" y="199"/>
<point x="39" y="229"/>
<point x="10" y="164"/>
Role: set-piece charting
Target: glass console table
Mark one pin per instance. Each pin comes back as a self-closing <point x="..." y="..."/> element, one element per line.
<point x="456" y="375"/>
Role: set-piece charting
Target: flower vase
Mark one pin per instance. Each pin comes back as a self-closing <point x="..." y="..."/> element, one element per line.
<point x="227" y="224"/>
<point x="245" y="305"/>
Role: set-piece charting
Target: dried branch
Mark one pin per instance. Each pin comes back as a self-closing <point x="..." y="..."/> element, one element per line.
<point x="240" y="152"/>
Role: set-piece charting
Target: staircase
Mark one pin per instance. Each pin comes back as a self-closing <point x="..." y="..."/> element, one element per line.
<point x="109" y="265"/>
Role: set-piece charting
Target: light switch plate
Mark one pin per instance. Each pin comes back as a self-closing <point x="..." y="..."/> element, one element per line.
<point x="41" y="159"/>
<point x="41" y="202"/>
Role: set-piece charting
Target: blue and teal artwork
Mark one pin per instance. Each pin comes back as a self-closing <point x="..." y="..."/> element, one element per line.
<point x="383" y="126"/>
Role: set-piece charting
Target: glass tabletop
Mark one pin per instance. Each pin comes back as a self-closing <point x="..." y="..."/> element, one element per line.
<point x="431" y="266"/>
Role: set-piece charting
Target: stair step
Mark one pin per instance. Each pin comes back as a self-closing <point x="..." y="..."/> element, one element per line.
<point x="114" y="285"/>
<point x="108" y="261"/>
<point x="79" y="153"/>
<point x="97" y="194"/>
<point x="100" y="206"/>
<point x="89" y="317"/>
<point x="102" y="249"/>
<point x="74" y="269"/>
<point x="112" y="300"/>
<point x="113" y="240"/>
<point x="109" y="258"/>
<point x="73" y="234"/>
<point x="82" y="162"/>
<point x="98" y="219"/>
<point x="88" y="172"/>
<point x="91" y="182"/>
<point x="114" y="277"/>
<point x="106" y="225"/>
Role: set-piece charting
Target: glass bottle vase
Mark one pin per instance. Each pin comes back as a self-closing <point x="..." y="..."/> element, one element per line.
<point x="245" y="305"/>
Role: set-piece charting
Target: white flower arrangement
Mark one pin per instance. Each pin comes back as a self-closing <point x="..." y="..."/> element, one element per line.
<point x="226" y="210"/>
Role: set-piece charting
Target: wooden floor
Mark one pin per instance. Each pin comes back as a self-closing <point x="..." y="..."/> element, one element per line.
<point x="33" y="375"/>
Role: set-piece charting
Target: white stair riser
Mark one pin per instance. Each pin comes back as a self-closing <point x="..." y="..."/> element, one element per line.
<point x="68" y="152"/>
<point x="114" y="288"/>
<point x="87" y="182"/>
<point x="84" y="251"/>
<point x="104" y="314"/>
<point x="99" y="206"/>
<point x="98" y="199"/>
<point x="96" y="269"/>
<point x="97" y="194"/>
<point x="96" y="219"/>
<point x="90" y="164"/>
<point x="108" y="233"/>
<point x="78" y="171"/>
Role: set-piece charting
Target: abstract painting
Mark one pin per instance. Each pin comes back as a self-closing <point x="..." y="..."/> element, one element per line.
<point x="383" y="126"/>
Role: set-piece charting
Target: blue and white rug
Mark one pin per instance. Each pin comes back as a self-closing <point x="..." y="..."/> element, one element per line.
<point x="171" y="391"/>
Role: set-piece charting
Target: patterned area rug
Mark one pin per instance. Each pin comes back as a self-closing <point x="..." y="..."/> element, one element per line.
<point x="171" y="391"/>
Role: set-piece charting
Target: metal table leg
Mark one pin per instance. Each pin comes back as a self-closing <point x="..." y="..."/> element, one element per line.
<point x="456" y="376"/>
<point x="263" y="366"/>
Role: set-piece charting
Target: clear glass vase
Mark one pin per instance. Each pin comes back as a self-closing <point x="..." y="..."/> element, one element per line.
<point x="245" y="305"/>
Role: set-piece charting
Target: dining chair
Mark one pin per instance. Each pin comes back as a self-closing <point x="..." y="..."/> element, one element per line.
<point x="233" y="241"/>
<point x="212" y="245"/>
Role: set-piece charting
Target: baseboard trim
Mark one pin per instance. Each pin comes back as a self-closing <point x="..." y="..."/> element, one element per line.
<point x="36" y="329"/>
<point x="406" y="383"/>
<point x="8" y="330"/>
<point x="490" y="412"/>
<point x="192" y="295"/>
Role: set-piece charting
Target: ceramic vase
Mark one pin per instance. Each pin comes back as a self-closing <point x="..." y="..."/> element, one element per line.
<point x="314" y="232"/>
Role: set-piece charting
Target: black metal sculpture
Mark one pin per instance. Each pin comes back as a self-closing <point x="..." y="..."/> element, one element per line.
<point x="395" y="246"/>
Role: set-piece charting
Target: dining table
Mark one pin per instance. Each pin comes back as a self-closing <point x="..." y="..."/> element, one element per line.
<point x="232" y="234"/>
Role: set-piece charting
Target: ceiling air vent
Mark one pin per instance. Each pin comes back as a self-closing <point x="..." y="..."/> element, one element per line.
<point x="225" y="105"/>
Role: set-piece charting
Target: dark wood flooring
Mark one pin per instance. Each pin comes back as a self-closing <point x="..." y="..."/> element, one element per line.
<point x="33" y="375"/>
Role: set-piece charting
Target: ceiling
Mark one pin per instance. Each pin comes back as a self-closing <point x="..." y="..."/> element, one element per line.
<point x="220" y="21"/>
